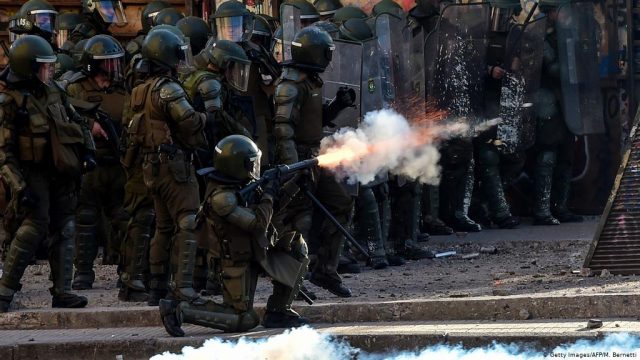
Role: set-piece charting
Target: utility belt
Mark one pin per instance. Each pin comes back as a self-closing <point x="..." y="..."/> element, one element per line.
<point x="168" y="152"/>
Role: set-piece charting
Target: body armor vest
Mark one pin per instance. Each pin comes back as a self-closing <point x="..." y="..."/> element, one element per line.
<point x="148" y="127"/>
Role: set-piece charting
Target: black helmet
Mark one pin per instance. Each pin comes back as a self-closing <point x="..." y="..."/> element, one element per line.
<point x="103" y="54"/>
<point x="65" y="23"/>
<point x="35" y="17"/>
<point x="355" y="30"/>
<point x="232" y="61"/>
<point x="197" y="30"/>
<point x="105" y="11"/>
<point x="308" y="13"/>
<point x="149" y="13"/>
<point x="312" y="49"/>
<point x="32" y="57"/>
<point x="77" y="51"/>
<point x="388" y="7"/>
<point x="331" y="28"/>
<point x="426" y="8"/>
<point x="232" y="21"/>
<point x="348" y="12"/>
<point x="326" y="8"/>
<point x="261" y="33"/>
<point x="166" y="48"/>
<point x="238" y="157"/>
<point x="63" y="64"/>
<point x="168" y="16"/>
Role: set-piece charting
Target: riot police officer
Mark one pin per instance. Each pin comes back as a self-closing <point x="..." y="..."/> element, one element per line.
<point x="146" y="19"/>
<point x="168" y="16"/>
<point x="196" y="30"/>
<point x="387" y="7"/>
<point x="35" y="17"/>
<point x="41" y="170"/>
<point x="348" y="12"/>
<point x="102" y="191"/>
<point x="327" y="8"/>
<point x="230" y="216"/>
<point x="98" y="16"/>
<point x="167" y="131"/>
<point x="298" y="123"/>
<point x="65" y="23"/>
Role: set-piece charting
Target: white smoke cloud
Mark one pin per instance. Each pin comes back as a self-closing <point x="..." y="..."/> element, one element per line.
<point x="385" y="142"/>
<point x="308" y="344"/>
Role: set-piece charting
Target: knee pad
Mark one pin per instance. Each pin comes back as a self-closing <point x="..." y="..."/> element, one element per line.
<point x="144" y="217"/>
<point x="299" y="249"/>
<point x="68" y="229"/>
<point x="187" y="222"/>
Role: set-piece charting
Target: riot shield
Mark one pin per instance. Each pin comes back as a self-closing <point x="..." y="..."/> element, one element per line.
<point x="388" y="30"/>
<point x="410" y="86"/>
<point x="523" y="63"/>
<point x="459" y="68"/>
<point x="291" y="24"/>
<point x="577" y="30"/>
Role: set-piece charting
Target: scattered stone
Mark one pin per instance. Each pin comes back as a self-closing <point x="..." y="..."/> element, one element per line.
<point x="586" y="272"/>
<point x="594" y="324"/>
<point x="459" y="295"/>
<point x="525" y="267"/>
<point x="534" y="262"/>
<point x="488" y="250"/>
<point x="537" y="276"/>
<point x="406" y="273"/>
<point x="502" y="292"/>
<point x="471" y="256"/>
<point x="617" y="325"/>
<point x="461" y="234"/>
<point x="605" y="274"/>
<point x="524" y="314"/>
<point x="562" y="273"/>
<point x="445" y="254"/>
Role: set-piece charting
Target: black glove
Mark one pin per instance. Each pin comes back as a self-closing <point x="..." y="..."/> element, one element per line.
<point x="345" y="97"/>
<point x="28" y="199"/>
<point x="89" y="163"/>
<point x="272" y="187"/>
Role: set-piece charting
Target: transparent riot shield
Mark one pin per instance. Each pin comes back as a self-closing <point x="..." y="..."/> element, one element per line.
<point x="410" y="87"/>
<point x="291" y="24"/>
<point x="577" y="31"/>
<point x="345" y="70"/>
<point x="371" y="97"/>
<point x="388" y="30"/>
<point x="459" y="68"/>
<point x="523" y="65"/>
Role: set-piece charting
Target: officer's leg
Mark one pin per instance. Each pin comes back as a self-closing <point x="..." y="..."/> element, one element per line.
<point x="29" y="235"/>
<point x="491" y="187"/>
<point x="279" y="313"/>
<point x="331" y="241"/>
<point x="159" y="252"/>
<point x="405" y="209"/>
<point x="381" y="193"/>
<point x="63" y="202"/>
<point x="562" y="181"/>
<point x="117" y="217"/>
<point x="370" y="227"/>
<point x="88" y="214"/>
<point x="431" y="222"/>
<point x="543" y="177"/>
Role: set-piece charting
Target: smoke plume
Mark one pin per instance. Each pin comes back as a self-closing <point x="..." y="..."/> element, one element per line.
<point x="386" y="142"/>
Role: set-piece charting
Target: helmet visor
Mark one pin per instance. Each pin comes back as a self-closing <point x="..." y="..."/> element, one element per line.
<point x="61" y="37"/>
<point x="238" y="75"/>
<point x="44" y="20"/>
<point x="111" y="11"/>
<point x="46" y="72"/>
<point x="13" y="37"/>
<point x="111" y="67"/>
<point x="231" y="28"/>
<point x="185" y="58"/>
<point x="277" y="50"/>
<point x="253" y="166"/>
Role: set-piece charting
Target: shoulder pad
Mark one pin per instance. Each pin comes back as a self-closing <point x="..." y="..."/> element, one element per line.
<point x="292" y="74"/>
<point x="224" y="202"/>
<point x="170" y="90"/>
<point x="5" y="98"/>
<point x="85" y="29"/>
<point x="210" y="87"/>
<point x="286" y="92"/>
<point x="71" y="76"/>
<point x="133" y="47"/>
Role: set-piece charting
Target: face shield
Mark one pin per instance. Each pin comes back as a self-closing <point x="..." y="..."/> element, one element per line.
<point x="62" y="36"/>
<point x="111" y="11"/>
<point x="44" y="20"/>
<point x="47" y="69"/>
<point x="237" y="74"/>
<point x="13" y="37"/>
<point x="111" y="66"/>
<point x="185" y="58"/>
<point x="252" y="165"/>
<point x="501" y="19"/>
<point x="232" y="28"/>
<point x="261" y="38"/>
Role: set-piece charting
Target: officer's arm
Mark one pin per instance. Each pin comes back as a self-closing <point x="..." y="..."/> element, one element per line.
<point x="85" y="124"/>
<point x="287" y="116"/>
<point x="190" y="124"/>
<point x="211" y="90"/>
<point x="254" y="219"/>
<point x="9" y="168"/>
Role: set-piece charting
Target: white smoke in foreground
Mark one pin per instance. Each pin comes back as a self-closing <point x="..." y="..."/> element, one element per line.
<point x="308" y="344"/>
<point x="385" y="142"/>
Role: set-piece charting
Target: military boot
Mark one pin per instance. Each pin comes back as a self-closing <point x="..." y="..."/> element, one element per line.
<point x="181" y="284"/>
<point x="18" y="258"/>
<point x="86" y="251"/>
<point x="158" y="288"/>
<point x="543" y="179"/>
<point x="208" y="314"/>
<point x="136" y="248"/>
<point x="370" y="228"/>
<point x="560" y="195"/>
<point x="430" y="223"/>
<point x="493" y="192"/>
<point x="458" y="186"/>
<point x="325" y="271"/>
<point x="278" y="311"/>
<point x="61" y="262"/>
